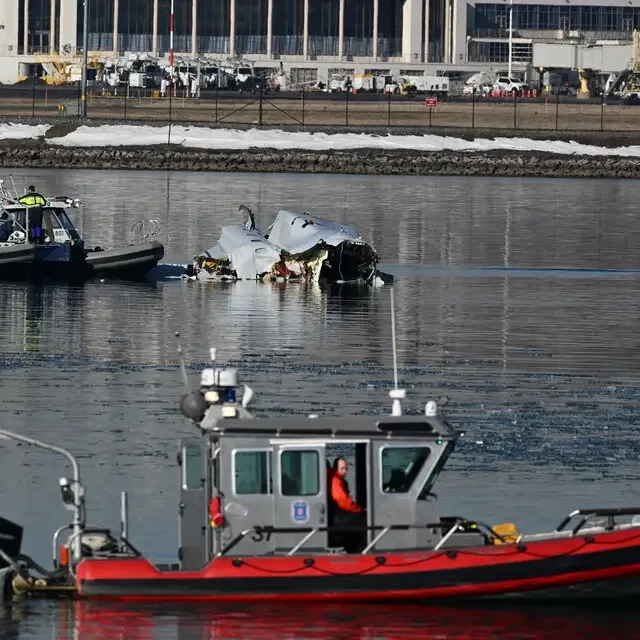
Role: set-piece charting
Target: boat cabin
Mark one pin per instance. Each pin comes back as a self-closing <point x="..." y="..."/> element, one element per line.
<point x="262" y="486"/>
<point x="56" y="224"/>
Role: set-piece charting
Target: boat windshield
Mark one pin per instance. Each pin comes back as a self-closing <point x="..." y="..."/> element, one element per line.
<point x="54" y="218"/>
<point x="433" y="478"/>
<point x="401" y="466"/>
<point x="64" y="219"/>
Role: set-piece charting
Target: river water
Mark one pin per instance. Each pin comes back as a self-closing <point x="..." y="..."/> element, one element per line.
<point x="518" y="298"/>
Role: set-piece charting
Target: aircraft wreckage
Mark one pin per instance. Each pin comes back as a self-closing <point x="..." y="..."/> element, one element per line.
<point x="297" y="247"/>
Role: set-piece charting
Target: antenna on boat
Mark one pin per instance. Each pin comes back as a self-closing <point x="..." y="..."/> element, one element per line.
<point x="395" y="394"/>
<point x="183" y="368"/>
<point x="192" y="403"/>
<point x="15" y="191"/>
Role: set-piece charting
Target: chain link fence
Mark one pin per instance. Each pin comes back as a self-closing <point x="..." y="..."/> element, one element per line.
<point x="320" y="109"/>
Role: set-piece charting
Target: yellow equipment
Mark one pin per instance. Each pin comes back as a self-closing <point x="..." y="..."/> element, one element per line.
<point x="508" y="531"/>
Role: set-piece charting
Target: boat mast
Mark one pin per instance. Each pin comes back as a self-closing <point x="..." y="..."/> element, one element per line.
<point x="395" y="394"/>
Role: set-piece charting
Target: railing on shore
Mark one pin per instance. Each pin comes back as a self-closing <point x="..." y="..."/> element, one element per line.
<point x="308" y="108"/>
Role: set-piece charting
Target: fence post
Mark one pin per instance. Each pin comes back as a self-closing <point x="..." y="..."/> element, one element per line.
<point x="473" y="108"/>
<point x="170" y="106"/>
<point x="602" y="112"/>
<point x="389" y="110"/>
<point x="346" y="109"/>
<point x="33" y="92"/>
<point x="125" y="95"/>
<point x="260" y="105"/>
<point x="557" y="103"/>
<point x="217" y="99"/>
<point x="302" y="106"/>
<point x="430" y="112"/>
<point x="515" y="106"/>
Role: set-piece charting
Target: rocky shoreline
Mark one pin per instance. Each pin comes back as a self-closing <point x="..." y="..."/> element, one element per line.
<point x="359" y="162"/>
<point x="39" y="154"/>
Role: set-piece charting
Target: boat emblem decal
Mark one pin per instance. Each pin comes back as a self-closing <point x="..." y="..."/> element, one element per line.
<point x="300" y="511"/>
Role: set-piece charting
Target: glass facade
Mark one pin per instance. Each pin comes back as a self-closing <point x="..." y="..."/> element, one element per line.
<point x="554" y="17"/>
<point x="288" y="25"/>
<point x="100" y="21"/>
<point x="181" y="29"/>
<point x="213" y="27"/>
<point x="135" y="26"/>
<point x="499" y="51"/>
<point x="39" y="37"/>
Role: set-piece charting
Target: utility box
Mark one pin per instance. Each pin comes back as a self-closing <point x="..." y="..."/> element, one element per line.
<point x="69" y="109"/>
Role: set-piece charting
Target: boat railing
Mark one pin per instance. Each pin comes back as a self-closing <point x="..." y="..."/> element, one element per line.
<point x="264" y="533"/>
<point x="87" y="529"/>
<point x="145" y="230"/>
<point x="586" y="515"/>
<point x="16" y="223"/>
<point x="5" y="194"/>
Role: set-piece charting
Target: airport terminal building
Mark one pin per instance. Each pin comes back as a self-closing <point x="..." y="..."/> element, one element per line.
<point x="366" y="34"/>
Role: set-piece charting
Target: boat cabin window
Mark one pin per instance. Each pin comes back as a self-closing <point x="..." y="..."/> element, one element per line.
<point x="252" y="472"/>
<point x="192" y="467"/>
<point x="300" y="472"/>
<point x="425" y="492"/>
<point x="400" y="466"/>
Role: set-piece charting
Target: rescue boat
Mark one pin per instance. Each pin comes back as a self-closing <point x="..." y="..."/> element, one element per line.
<point x="255" y="519"/>
<point x="62" y="253"/>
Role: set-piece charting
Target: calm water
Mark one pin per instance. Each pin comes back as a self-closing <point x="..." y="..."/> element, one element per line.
<point x="519" y="299"/>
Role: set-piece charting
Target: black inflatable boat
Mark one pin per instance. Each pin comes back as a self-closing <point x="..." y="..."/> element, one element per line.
<point x="13" y="256"/>
<point x="41" y="241"/>
<point x="131" y="262"/>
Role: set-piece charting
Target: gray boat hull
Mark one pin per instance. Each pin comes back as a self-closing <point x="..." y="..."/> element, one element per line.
<point x="15" y="257"/>
<point x="133" y="261"/>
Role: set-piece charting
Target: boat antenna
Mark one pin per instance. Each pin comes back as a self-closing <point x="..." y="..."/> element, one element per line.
<point x="393" y="340"/>
<point x="395" y="394"/>
<point x="183" y="368"/>
<point x="14" y="185"/>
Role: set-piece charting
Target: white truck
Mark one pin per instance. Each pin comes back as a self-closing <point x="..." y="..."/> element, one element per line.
<point x="434" y="85"/>
<point x="339" y="82"/>
<point x="510" y="85"/>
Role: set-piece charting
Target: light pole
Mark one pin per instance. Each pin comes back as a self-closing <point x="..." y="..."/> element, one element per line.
<point x="510" y="35"/>
<point x="171" y="68"/>
<point x="85" y="44"/>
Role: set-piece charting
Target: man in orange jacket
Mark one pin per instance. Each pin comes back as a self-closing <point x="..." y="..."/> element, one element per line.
<point x="344" y="511"/>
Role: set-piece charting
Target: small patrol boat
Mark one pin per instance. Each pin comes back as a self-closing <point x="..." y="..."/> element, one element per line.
<point x="61" y="254"/>
<point x="256" y="519"/>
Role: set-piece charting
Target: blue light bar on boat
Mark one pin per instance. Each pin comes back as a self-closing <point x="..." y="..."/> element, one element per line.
<point x="229" y="395"/>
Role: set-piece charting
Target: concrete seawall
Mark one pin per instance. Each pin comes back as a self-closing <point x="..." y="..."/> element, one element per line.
<point x="368" y="162"/>
<point x="40" y="154"/>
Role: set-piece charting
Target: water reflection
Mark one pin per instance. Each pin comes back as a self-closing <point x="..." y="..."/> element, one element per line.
<point x="504" y="304"/>
<point x="103" y="621"/>
<point x="410" y="220"/>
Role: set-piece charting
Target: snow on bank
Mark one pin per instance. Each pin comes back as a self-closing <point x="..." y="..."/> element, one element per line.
<point x="229" y="139"/>
<point x="11" y="131"/>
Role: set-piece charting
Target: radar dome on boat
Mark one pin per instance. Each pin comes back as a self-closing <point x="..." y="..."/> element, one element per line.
<point x="193" y="406"/>
<point x="227" y="377"/>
